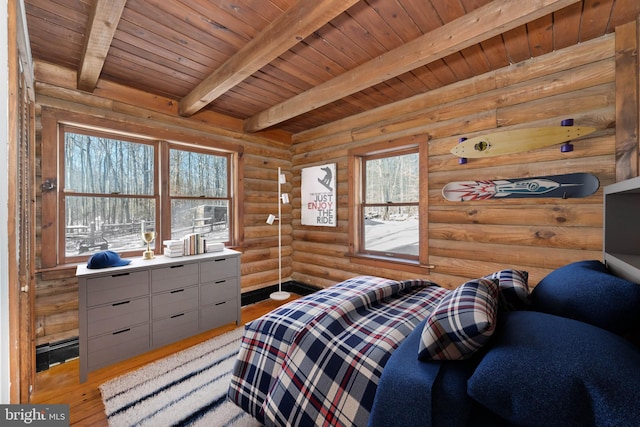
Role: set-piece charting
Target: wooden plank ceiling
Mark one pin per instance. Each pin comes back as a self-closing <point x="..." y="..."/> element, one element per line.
<point x="295" y="65"/>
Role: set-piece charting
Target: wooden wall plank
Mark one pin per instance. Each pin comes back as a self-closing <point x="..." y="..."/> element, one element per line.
<point x="627" y="101"/>
<point x="622" y="10"/>
<point x="543" y="215"/>
<point x="540" y="34"/>
<point x="592" y="26"/>
<point x="566" y="26"/>
<point x="586" y="238"/>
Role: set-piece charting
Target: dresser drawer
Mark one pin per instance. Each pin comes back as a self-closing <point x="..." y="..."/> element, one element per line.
<point x="216" y="269"/>
<point x="117" y="346"/>
<point x="218" y="314"/>
<point x="220" y="290"/>
<point x="174" y="328"/>
<point x="117" y="287"/>
<point x="118" y="315"/>
<point x="174" y="277"/>
<point x="174" y="302"/>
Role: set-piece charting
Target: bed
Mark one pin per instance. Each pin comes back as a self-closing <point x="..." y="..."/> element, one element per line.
<point x="376" y="352"/>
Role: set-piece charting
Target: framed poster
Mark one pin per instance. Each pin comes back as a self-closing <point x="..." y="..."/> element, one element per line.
<point x="319" y="196"/>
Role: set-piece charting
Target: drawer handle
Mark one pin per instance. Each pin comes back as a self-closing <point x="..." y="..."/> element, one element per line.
<point x="122" y="331"/>
<point x="120" y="274"/>
<point x="220" y="281"/>
<point x="221" y="303"/>
<point x="177" y="266"/>
<point x="177" y="290"/>
<point x="120" y="303"/>
<point x="220" y="259"/>
<point x="177" y="315"/>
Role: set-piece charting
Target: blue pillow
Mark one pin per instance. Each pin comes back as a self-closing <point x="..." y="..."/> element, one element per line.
<point x="588" y="292"/>
<point x="548" y="370"/>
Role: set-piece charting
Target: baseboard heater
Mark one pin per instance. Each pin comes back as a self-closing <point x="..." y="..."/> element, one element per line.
<point x="51" y="354"/>
<point x="263" y="294"/>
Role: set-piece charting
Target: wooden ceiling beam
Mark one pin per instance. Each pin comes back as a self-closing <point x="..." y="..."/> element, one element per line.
<point x="477" y="26"/>
<point x="103" y="22"/>
<point x="286" y="31"/>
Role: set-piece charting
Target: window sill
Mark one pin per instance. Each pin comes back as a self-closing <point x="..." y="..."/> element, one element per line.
<point x="60" y="267"/>
<point x="412" y="266"/>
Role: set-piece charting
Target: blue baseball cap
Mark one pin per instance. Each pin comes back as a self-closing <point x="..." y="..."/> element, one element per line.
<point x="106" y="259"/>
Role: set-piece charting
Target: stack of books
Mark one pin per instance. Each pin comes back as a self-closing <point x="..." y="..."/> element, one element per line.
<point x="173" y="248"/>
<point x="194" y="244"/>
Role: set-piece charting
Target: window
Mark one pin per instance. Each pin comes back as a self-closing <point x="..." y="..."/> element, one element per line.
<point x="199" y="193"/>
<point x="109" y="192"/>
<point x="389" y="208"/>
<point x="388" y="205"/>
<point x="110" y="187"/>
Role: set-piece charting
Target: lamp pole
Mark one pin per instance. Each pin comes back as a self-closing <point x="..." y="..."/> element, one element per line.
<point x="280" y="295"/>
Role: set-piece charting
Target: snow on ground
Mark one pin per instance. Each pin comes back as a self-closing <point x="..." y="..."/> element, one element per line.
<point x="392" y="236"/>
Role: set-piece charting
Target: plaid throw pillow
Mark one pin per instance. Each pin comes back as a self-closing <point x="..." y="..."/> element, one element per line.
<point x="462" y="323"/>
<point x="513" y="289"/>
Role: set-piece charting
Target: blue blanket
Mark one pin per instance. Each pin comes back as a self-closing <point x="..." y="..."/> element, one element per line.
<point x="430" y="393"/>
<point x="433" y="393"/>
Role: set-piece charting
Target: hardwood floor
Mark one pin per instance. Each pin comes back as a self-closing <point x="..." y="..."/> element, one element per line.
<point x="61" y="384"/>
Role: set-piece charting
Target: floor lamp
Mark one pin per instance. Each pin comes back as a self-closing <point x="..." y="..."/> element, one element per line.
<point x="282" y="198"/>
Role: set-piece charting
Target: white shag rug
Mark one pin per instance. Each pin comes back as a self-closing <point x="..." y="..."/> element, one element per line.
<point x="188" y="388"/>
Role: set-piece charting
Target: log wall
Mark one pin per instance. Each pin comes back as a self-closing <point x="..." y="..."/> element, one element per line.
<point x="471" y="239"/>
<point x="57" y="287"/>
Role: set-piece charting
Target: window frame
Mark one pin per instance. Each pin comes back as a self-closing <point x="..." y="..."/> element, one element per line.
<point x="52" y="176"/>
<point x="63" y="193"/>
<point x="166" y="224"/>
<point x="357" y="252"/>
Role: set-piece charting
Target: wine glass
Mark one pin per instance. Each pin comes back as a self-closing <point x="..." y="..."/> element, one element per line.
<point x="148" y="237"/>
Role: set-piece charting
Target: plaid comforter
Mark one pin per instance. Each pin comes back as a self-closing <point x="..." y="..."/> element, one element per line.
<point x="316" y="361"/>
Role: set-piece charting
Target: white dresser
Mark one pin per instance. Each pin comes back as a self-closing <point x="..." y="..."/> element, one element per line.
<point x="125" y="311"/>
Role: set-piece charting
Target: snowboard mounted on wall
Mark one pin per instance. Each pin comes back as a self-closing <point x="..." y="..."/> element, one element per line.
<point x="554" y="186"/>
